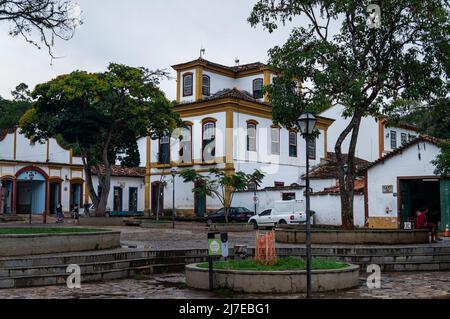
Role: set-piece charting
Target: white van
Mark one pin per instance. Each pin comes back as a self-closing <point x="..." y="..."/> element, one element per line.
<point x="283" y="212"/>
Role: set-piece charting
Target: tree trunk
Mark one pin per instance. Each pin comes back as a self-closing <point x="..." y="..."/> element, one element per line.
<point x="347" y="181"/>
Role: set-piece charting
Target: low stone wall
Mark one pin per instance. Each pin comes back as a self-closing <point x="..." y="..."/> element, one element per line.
<point x="273" y="281"/>
<point x="38" y="244"/>
<point x="102" y="221"/>
<point x="231" y="227"/>
<point x="353" y="237"/>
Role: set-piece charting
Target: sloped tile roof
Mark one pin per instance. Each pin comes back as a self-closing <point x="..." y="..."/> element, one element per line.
<point x="235" y="69"/>
<point x="328" y="169"/>
<point x="359" y="188"/>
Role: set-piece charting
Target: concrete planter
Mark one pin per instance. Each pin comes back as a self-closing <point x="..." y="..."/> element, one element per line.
<point x="273" y="281"/>
<point x="156" y="225"/>
<point x="353" y="237"/>
<point x="38" y="244"/>
<point x="231" y="227"/>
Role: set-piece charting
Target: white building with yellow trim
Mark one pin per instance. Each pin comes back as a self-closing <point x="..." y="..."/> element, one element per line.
<point x="224" y="110"/>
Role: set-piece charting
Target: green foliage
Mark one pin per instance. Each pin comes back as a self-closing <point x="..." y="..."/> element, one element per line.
<point x="361" y="68"/>
<point x="342" y="60"/>
<point x="432" y="119"/>
<point x="218" y="183"/>
<point x="21" y="93"/>
<point x="11" y="112"/>
<point x="288" y="263"/>
<point x="102" y="114"/>
<point x="442" y="161"/>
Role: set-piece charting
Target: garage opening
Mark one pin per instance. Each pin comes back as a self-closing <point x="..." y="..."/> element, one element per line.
<point x="420" y="194"/>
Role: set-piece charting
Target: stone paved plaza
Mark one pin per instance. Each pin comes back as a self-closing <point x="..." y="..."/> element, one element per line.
<point x="172" y="286"/>
<point x="394" y="285"/>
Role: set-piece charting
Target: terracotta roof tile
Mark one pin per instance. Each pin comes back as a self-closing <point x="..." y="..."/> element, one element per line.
<point x="328" y="169"/>
<point x="6" y="131"/>
<point x="359" y="188"/>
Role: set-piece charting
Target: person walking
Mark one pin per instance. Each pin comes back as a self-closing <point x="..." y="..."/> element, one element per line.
<point x="59" y="214"/>
<point x="76" y="214"/>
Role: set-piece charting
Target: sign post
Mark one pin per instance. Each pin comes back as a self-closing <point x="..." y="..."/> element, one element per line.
<point x="216" y="247"/>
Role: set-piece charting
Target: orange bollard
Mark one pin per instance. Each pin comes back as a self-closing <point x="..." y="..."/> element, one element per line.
<point x="447" y="232"/>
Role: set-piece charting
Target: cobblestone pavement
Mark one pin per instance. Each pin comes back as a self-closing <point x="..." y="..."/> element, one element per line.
<point x="172" y="286"/>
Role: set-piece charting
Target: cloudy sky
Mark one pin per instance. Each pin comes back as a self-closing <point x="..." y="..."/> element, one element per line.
<point x="149" y="33"/>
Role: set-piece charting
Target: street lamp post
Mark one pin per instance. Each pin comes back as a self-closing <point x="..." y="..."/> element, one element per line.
<point x="31" y="176"/>
<point x="306" y="123"/>
<point x="173" y="172"/>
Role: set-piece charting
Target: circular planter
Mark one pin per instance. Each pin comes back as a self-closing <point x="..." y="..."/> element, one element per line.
<point x="38" y="244"/>
<point x="292" y="235"/>
<point x="289" y="281"/>
<point x="230" y="227"/>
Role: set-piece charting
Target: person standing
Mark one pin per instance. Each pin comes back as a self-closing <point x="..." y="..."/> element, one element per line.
<point x="422" y="223"/>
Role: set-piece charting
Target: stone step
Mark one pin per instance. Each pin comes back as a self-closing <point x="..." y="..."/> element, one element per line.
<point x="91" y="276"/>
<point x="92" y="257"/>
<point x="382" y="250"/>
<point x="383" y="259"/>
<point x="98" y="266"/>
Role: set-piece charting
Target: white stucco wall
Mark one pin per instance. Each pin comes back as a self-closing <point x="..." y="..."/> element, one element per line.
<point x="127" y="182"/>
<point x="403" y="164"/>
<point x="328" y="210"/>
<point x="368" y="139"/>
<point x="327" y="207"/>
<point x="7" y="147"/>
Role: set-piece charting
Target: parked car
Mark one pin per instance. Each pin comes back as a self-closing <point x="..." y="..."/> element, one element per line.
<point x="235" y="215"/>
<point x="284" y="212"/>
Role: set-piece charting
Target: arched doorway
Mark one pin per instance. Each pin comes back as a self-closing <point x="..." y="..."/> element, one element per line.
<point x="31" y="191"/>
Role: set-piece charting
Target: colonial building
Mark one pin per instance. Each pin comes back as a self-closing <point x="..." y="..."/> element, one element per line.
<point x="37" y="177"/>
<point x="228" y="126"/>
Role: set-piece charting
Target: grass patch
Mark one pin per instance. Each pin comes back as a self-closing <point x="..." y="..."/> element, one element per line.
<point x="288" y="263"/>
<point x="46" y="230"/>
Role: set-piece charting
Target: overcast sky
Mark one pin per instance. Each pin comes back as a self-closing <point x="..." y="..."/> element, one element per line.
<point x="149" y="33"/>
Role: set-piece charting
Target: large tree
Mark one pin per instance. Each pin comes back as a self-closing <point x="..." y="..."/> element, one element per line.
<point x="39" y="22"/>
<point x="103" y="115"/>
<point x="348" y="54"/>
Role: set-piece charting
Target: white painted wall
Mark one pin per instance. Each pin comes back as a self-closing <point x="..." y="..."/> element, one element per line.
<point x="7" y="147"/>
<point x="127" y="182"/>
<point x="328" y="210"/>
<point x="404" y="164"/>
<point x="368" y="140"/>
<point x="219" y="82"/>
<point x="327" y="207"/>
<point x="399" y="131"/>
